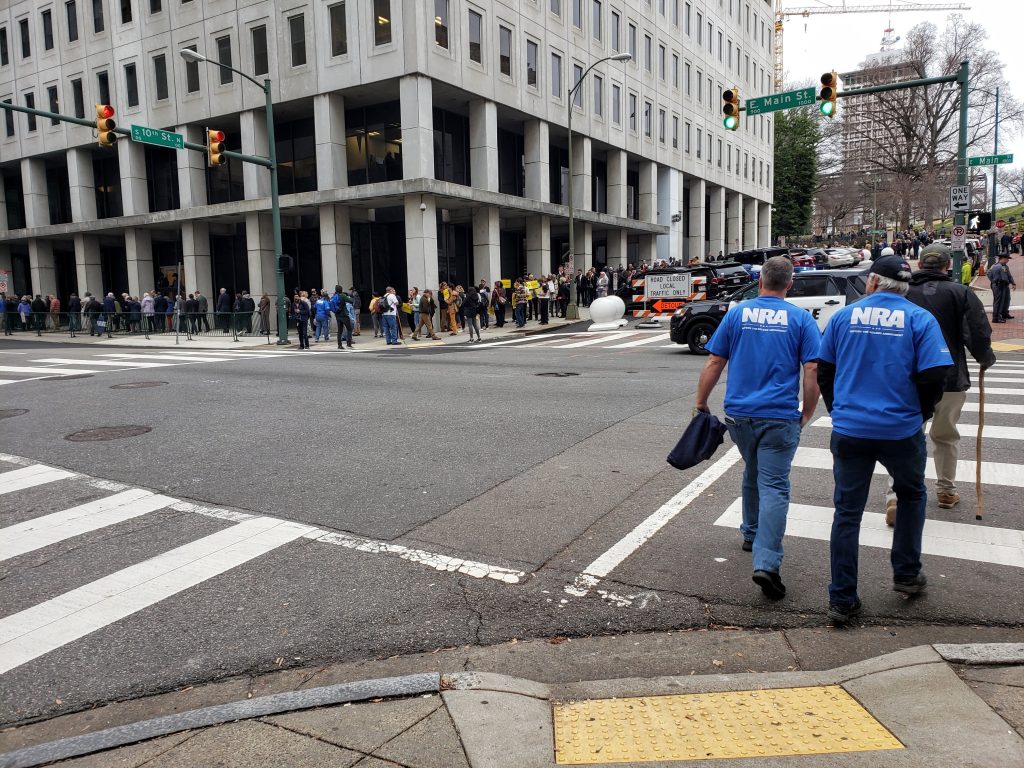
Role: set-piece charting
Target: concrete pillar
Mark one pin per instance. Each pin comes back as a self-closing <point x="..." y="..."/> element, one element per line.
<point x="82" y="185"/>
<point x="255" y="178"/>
<point x="716" y="235"/>
<point x="329" y="129"/>
<point x="138" y="245"/>
<point x="33" y="187"/>
<point x="487" y="244"/>
<point x="538" y="245"/>
<point x="695" y="220"/>
<point x="617" y="188"/>
<point x="733" y="222"/>
<point x="617" y="247"/>
<point x="584" y="245"/>
<point x="192" y="171"/>
<point x="581" y="172"/>
<point x="420" y="236"/>
<point x="131" y="158"/>
<point x="335" y="246"/>
<point x="536" y="145"/>
<point x="483" y="145"/>
<point x="417" y="99"/>
<point x="195" y="246"/>
<point x="648" y="190"/>
<point x="670" y="203"/>
<point x="648" y="248"/>
<point x="259" y="246"/>
<point x="764" y="225"/>
<point x="87" y="264"/>
<point x="3" y="217"/>
<point x="749" y="222"/>
<point x="42" y="266"/>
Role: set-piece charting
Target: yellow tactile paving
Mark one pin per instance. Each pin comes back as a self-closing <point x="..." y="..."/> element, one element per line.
<point x="1007" y="346"/>
<point x="705" y="726"/>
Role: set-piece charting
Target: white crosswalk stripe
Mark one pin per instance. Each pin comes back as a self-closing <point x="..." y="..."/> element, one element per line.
<point x="30" y="477"/>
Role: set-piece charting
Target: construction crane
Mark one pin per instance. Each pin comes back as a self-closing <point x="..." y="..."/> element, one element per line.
<point x="785" y="13"/>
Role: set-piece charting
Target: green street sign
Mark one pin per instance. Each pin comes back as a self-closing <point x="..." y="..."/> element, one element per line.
<point x="802" y="97"/>
<point x="155" y="136"/>
<point x="989" y="160"/>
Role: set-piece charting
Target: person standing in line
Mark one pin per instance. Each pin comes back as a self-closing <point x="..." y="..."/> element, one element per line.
<point x="1000" y="279"/>
<point x="204" y="311"/>
<point x="499" y="301"/>
<point x="485" y="302"/>
<point x="543" y="300"/>
<point x="389" y="316"/>
<point x="602" y="284"/>
<point x="378" y="329"/>
<point x="426" y="315"/>
<point x="768" y="341"/>
<point x="25" y="313"/>
<point x="300" y="315"/>
<point x="520" y="298"/>
<point x="223" y="310"/>
<point x="355" y="311"/>
<point x="881" y="369"/>
<point x="341" y="305"/>
<point x="414" y="308"/>
<point x="264" y="312"/>
<point x="454" y="301"/>
<point x="322" y="307"/>
<point x="471" y="313"/>
<point x="443" y="294"/>
<point x="75" y="312"/>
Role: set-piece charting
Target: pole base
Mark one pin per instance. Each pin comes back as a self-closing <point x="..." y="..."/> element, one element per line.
<point x="283" y="342"/>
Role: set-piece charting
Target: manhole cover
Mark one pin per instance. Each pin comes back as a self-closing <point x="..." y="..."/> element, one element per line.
<point x="139" y="385"/>
<point x="107" y="433"/>
<point x="6" y="413"/>
<point x="557" y="374"/>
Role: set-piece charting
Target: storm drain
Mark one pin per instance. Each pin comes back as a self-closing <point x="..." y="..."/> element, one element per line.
<point x="139" y="385"/>
<point x="107" y="433"/>
<point x="7" y="413"/>
<point x="557" y="374"/>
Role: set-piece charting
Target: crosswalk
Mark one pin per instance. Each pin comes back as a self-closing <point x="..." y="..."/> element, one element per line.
<point x="587" y="341"/>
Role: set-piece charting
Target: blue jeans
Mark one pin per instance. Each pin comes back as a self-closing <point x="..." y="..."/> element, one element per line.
<point x="853" y="466"/>
<point x="323" y="324"/>
<point x="767" y="447"/>
<point x="520" y="314"/>
<point x="390" y="324"/>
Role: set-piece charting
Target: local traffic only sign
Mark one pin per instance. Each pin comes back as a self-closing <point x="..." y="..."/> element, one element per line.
<point x="155" y="136"/>
<point x="802" y="97"/>
<point x="989" y="160"/>
<point x="960" y="199"/>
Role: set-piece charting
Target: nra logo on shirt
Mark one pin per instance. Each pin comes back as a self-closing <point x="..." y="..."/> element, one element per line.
<point x="878" y="317"/>
<point x="764" y="316"/>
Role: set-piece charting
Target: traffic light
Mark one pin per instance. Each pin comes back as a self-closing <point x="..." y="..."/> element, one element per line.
<point x="827" y="94"/>
<point x="731" y="108"/>
<point x="979" y="221"/>
<point x="215" y="147"/>
<point x="105" y="125"/>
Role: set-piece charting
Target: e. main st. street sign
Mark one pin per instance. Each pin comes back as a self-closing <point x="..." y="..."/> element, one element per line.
<point x="986" y="160"/>
<point x="802" y="97"/>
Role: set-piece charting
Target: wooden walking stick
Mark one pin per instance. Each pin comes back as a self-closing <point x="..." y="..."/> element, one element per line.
<point x="980" y="505"/>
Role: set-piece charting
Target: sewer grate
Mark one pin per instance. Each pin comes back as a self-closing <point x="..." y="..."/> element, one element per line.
<point x="557" y="374"/>
<point x="7" y="413"/>
<point x="107" y="433"/>
<point x="139" y="385"/>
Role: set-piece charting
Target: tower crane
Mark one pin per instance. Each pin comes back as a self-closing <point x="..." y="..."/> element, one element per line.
<point x="785" y="13"/>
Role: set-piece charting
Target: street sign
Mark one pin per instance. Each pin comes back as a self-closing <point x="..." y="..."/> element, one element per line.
<point x="958" y="239"/>
<point x="666" y="306"/>
<point x="5" y="281"/>
<point x="960" y="199"/>
<point x="802" y="97"/>
<point x="990" y="160"/>
<point x="157" y="137"/>
<point x="673" y="285"/>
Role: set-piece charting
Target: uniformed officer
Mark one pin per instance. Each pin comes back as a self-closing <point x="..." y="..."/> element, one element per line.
<point x="1000" y="279"/>
<point x="767" y="341"/>
<point x="881" y="370"/>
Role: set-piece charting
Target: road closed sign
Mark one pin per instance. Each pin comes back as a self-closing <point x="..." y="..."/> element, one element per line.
<point x="668" y="286"/>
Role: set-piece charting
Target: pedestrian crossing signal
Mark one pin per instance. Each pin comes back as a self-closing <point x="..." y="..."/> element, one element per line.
<point x="105" y="125"/>
<point x="731" y="108"/>
<point x="215" y="147"/>
<point x="828" y="94"/>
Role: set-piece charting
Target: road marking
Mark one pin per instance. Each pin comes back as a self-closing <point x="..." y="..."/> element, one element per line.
<point x="980" y="543"/>
<point x="119" y="364"/>
<point x="43" y="531"/>
<point x="49" y="625"/>
<point x="591" y="342"/>
<point x="999" y="391"/>
<point x="31" y="476"/>
<point x="994" y="408"/>
<point x="50" y="371"/>
<point x="9" y="381"/>
<point x="636" y="538"/>
<point x="184" y="358"/>
<point x="966" y="430"/>
<point x="655" y="337"/>
<point x="992" y="472"/>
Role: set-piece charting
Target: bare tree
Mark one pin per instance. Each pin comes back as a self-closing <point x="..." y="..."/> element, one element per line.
<point x="1011" y="185"/>
<point x="837" y="197"/>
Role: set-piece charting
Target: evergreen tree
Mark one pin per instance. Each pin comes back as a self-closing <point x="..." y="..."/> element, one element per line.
<point x="796" y="167"/>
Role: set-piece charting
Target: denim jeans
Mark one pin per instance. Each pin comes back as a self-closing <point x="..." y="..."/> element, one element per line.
<point x="390" y="325"/>
<point x="323" y="325"/>
<point x="767" y="447"/>
<point x="520" y="314"/>
<point x="853" y="466"/>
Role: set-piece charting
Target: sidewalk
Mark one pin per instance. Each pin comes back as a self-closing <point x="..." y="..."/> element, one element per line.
<point x="1008" y="336"/>
<point x="931" y="705"/>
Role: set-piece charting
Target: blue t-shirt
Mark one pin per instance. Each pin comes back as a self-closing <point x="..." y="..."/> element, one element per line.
<point x="878" y="345"/>
<point x="766" y="341"/>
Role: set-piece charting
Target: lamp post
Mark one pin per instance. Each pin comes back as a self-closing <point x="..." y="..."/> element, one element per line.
<point x="571" y="312"/>
<point x="874" y="207"/>
<point x="275" y="205"/>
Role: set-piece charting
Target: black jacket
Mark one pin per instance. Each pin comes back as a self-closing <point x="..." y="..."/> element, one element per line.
<point x="962" y="319"/>
<point x="223" y="302"/>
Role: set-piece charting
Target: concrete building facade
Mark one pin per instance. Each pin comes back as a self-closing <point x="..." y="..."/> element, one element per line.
<point x="417" y="140"/>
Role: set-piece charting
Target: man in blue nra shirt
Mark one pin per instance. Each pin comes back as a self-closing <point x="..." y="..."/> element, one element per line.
<point x="881" y="370"/>
<point x="766" y="341"/>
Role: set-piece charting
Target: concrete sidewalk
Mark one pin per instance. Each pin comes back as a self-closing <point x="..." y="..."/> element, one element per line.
<point x="932" y="705"/>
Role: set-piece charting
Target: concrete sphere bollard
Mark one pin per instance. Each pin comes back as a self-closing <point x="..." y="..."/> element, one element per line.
<point x="607" y="313"/>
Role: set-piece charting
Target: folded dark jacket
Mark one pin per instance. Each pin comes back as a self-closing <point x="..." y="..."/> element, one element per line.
<point x="699" y="442"/>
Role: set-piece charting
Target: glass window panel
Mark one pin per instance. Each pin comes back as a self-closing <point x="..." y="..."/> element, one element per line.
<point x="224" y="57"/>
<point x="297" y="30"/>
<point x="441" y="23"/>
<point x="71" y="11"/>
<point x="381" y="22"/>
<point x="260" y="63"/>
<point x="160" y="76"/>
<point x="476" y="42"/>
<point x="339" y="29"/>
<point x="131" y="83"/>
<point x="505" y="50"/>
<point x="532" y="53"/>
<point x="47" y="30"/>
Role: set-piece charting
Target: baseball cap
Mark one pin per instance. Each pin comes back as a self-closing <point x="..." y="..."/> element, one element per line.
<point x="1004" y="256"/>
<point x="934" y="256"/>
<point x="892" y="267"/>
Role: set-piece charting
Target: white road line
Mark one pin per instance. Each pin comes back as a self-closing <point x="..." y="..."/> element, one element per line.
<point x="49" y="625"/>
<point x="591" y="342"/>
<point x="11" y="381"/>
<point x="43" y="531"/>
<point x="980" y="543"/>
<point x="653" y="338"/>
<point x="119" y="364"/>
<point x="31" y="476"/>
<point x="992" y="472"/>
<point x="636" y="538"/>
<point x="994" y="408"/>
<point x="48" y="371"/>
<point x="218" y="353"/>
<point x="1014" y="374"/>
<point x="176" y="358"/>
<point x="966" y="430"/>
<point x="999" y="391"/>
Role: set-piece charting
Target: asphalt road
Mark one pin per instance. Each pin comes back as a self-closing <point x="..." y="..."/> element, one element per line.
<point x="443" y="496"/>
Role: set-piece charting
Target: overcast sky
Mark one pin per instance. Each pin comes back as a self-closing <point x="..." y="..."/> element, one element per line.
<point x="816" y="43"/>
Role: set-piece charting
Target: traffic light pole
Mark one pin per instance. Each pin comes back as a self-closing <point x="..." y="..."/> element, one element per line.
<point x="993" y="238"/>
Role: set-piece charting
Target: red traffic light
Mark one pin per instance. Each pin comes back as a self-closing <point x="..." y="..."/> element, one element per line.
<point x="217" y="135"/>
<point x="106" y="111"/>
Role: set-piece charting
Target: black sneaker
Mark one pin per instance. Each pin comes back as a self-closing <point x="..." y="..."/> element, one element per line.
<point x="914" y="586"/>
<point x="843" y="613"/>
<point x="748" y="546"/>
<point x="770" y="584"/>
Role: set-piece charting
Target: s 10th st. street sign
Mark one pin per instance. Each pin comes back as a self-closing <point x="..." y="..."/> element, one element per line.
<point x="157" y="137"/>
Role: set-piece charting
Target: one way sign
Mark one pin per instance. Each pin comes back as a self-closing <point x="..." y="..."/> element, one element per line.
<point x="960" y="199"/>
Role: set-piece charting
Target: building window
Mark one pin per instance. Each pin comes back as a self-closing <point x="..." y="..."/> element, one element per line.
<point x="297" y="31"/>
<point x="505" y="50"/>
<point x="47" y="17"/>
<point x="687" y="78"/>
<point x="71" y="10"/>
<point x="51" y="95"/>
<point x="700" y="87"/>
<point x="720" y="46"/>
<point x="381" y="22"/>
<point x="719" y="153"/>
<point x="616" y="21"/>
<point x="374" y="143"/>
<point x="556" y="75"/>
<point x="260" y="63"/>
<point x="700" y="143"/>
<point x="648" y="118"/>
<point x="224" y="57"/>
<point x="577" y="14"/>
<point x="661" y="125"/>
<point x="339" y="29"/>
<point x="78" y="97"/>
<point x="476" y="42"/>
<point x="632" y="41"/>
<point x="728" y="158"/>
<point x="30" y="102"/>
<point x="531" y="63"/>
<point x="4" y="54"/>
<point x="648" y="53"/>
<point x="616" y="105"/>
<point x="155" y="6"/>
<point x="191" y="74"/>
<point x="689" y="11"/>
<point x="686" y="138"/>
<point x="675" y="13"/>
<point x="632" y="112"/>
<point x="126" y="11"/>
<point x="556" y="7"/>
<point x="8" y="122"/>
<point x="700" y="28"/>
<point x="103" y="87"/>
<point x="26" y="42"/>
<point x="441" y="23"/>
<point x="160" y="76"/>
<point x="675" y="70"/>
<point x="675" y="132"/>
<point x="661" y="62"/>
<point x="451" y="147"/>
<point x="131" y="83"/>
<point x="711" y="30"/>
<point x="596" y="21"/>
<point x="598" y="95"/>
<point x="97" y="16"/>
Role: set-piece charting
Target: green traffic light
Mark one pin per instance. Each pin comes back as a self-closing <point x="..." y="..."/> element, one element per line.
<point x="827" y="108"/>
<point x="731" y="122"/>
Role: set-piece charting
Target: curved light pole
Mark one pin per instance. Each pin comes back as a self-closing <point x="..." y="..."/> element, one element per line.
<point x="571" y="312"/>
<point x="275" y="207"/>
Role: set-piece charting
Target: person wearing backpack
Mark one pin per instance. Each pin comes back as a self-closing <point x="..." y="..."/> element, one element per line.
<point x="428" y="306"/>
<point x="471" y="313"/>
<point x="341" y="305"/>
<point x="388" y="306"/>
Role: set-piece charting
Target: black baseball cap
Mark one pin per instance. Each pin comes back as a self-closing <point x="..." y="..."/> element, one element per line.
<point x="893" y="267"/>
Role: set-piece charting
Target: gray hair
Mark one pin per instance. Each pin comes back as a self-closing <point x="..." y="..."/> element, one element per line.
<point x="889" y="285"/>
<point x="777" y="273"/>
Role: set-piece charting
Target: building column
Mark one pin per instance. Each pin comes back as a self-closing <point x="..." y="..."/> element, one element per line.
<point x="417" y="106"/>
<point x="195" y="247"/>
<point x="33" y="187"/>
<point x="483" y="146"/>
<point x="329" y="129"/>
<point x="138" y="246"/>
<point x="536" y="147"/>
<point x="82" y="185"/>
<point x="764" y="225"/>
<point x="255" y="178"/>
<point x="617" y="245"/>
<point x="695" y="220"/>
<point x="716" y="234"/>
<point x="131" y="158"/>
<point x="584" y="245"/>
<point x="335" y="246"/>
<point x="487" y="244"/>
<point x="733" y="222"/>
<point x="420" y="237"/>
<point x="749" y="222"/>
<point x="538" y="245"/>
<point x="616" y="161"/>
<point x="259" y="245"/>
<point x="42" y="266"/>
<point x="582" y="186"/>
<point x="648" y="191"/>
<point x="192" y="171"/>
<point x="670" y="207"/>
<point x="87" y="264"/>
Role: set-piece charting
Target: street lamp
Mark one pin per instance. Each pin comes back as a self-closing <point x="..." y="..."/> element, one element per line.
<point x="874" y="207"/>
<point x="571" y="312"/>
<point x="275" y="207"/>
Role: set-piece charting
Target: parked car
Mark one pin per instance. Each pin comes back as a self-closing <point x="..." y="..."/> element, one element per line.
<point x="712" y="280"/>
<point x="820" y="292"/>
